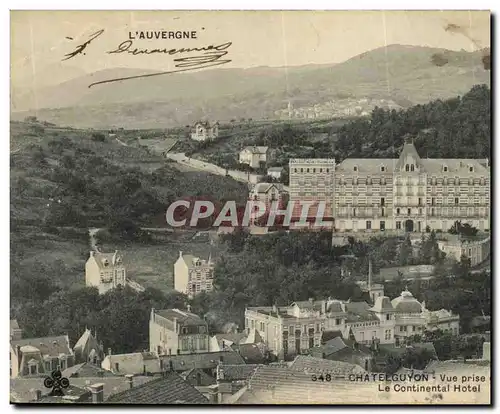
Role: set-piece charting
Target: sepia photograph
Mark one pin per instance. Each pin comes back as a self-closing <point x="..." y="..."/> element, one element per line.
<point x="253" y="207"/>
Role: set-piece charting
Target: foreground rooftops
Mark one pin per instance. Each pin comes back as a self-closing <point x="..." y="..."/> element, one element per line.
<point x="183" y="317"/>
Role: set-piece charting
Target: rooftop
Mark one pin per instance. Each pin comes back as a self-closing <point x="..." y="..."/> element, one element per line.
<point x="104" y="260"/>
<point x="309" y="364"/>
<point x="183" y="317"/>
<point x="49" y="345"/>
<point x="256" y="149"/>
<point x="22" y="389"/>
<point x="208" y="360"/>
<point x="167" y="389"/>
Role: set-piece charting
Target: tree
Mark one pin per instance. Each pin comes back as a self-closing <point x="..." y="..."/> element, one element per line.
<point x="465" y="230"/>
<point x="98" y="136"/>
<point x="406" y="252"/>
<point x="416" y="358"/>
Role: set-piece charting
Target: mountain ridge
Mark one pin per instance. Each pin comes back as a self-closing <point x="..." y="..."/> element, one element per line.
<point x="412" y="74"/>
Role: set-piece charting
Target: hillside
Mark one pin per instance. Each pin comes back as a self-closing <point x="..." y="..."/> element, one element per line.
<point x="405" y="75"/>
<point x="65" y="177"/>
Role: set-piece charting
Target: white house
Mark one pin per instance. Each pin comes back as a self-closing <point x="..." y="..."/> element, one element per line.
<point x="275" y="172"/>
<point x="193" y="275"/>
<point x="203" y="131"/>
<point x="254" y="156"/>
<point x="105" y="271"/>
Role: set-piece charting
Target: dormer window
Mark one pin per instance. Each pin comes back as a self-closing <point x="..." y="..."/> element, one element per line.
<point x="355" y="168"/>
<point x="407" y="167"/>
<point x="184" y="330"/>
<point x="118" y="260"/>
<point x="412" y="167"/>
<point x="382" y="168"/>
<point x="445" y="168"/>
<point x="471" y="168"/>
<point x="105" y="262"/>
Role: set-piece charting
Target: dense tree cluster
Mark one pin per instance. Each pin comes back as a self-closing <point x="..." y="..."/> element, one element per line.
<point x="120" y="316"/>
<point x="453" y="128"/>
<point x="93" y="190"/>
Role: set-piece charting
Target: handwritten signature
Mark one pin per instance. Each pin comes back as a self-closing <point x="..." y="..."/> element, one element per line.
<point x="212" y="56"/>
<point x="80" y="48"/>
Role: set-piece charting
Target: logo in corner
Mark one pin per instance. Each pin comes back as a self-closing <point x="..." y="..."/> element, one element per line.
<point x="57" y="382"/>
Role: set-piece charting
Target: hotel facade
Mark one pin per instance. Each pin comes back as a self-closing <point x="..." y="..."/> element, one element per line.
<point x="404" y="194"/>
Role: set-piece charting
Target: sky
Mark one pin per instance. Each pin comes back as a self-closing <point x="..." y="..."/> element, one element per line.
<point x="40" y="39"/>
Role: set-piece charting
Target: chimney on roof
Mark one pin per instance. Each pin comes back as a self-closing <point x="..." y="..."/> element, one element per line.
<point x="97" y="391"/>
<point x="180" y="253"/>
<point x="91" y="253"/>
<point x="109" y="351"/>
<point x="175" y="325"/>
<point x="275" y="309"/>
<point x="38" y="395"/>
<point x="188" y="308"/>
<point x="213" y="392"/>
<point x="221" y="360"/>
<point x="130" y="380"/>
<point x="311" y="301"/>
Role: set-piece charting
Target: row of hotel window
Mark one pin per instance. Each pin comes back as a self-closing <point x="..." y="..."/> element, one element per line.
<point x="405" y="181"/>
<point x="470" y="211"/>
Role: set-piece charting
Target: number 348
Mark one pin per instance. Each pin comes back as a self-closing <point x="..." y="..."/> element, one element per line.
<point x="326" y="378"/>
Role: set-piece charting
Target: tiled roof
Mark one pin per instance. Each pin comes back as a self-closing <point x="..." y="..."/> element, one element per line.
<point x="408" y="150"/>
<point x="111" y="258"/>
<point x="83" y="339"/>
<point x="208" y="360"/>
<point x="183" y="317"/>
<point x="382" y="303"/>
<point x="335" y="307"/>
<point x="72" y="395"/>
<point x="256" y="149"/>
<point x="331" y="346"/>
<point x="234" y="338"/>
<point x="263" y="188"/>
<point x="406" y="303"/>
<point x="310" y="364"/>
<point x="49" y="345"/>
<point x="366" y="165"/>
<point x="459" y="166"/>
<point x="192" y="376"/>
<point x="359" y="312"/>
<point x="22" y="389"/>
<point x="281" y="385"/>
<point x="86" y="370"/>
<point x="328" y="335"/>
<point x="238" y="372"/>
<point x="251" y="353"/>
<point x="309" y="304"/>
<point x="168" y="389"/>
<point x="132" y="363"/>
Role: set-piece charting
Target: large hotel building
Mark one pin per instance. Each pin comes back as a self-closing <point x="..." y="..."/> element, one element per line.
<point x="408" y="193"/>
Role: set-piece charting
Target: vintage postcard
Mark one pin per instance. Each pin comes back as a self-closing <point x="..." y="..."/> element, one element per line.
<point x="250" y="207"/>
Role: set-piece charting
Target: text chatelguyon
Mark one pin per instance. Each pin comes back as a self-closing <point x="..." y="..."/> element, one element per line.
<point x="189" y="213"/>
